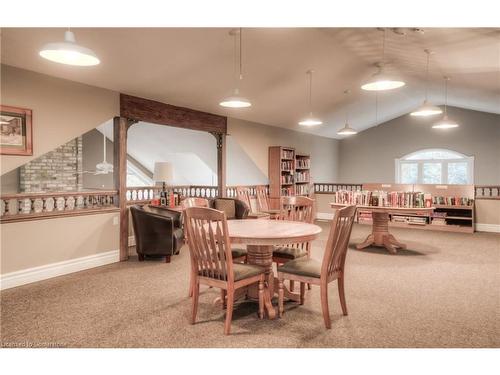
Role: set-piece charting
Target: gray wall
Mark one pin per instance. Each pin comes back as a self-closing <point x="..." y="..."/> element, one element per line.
<point x="92" y="155"/>
<point x="248" y="143"/>
<point x="369" y="156"/>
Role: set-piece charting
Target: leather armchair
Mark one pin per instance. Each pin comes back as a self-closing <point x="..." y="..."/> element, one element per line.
<point x="158" y="231"/>
<point x="241" y="209"/>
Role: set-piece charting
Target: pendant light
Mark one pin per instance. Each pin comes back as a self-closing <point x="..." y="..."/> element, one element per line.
<point x="347" y="130"/>
<point x="427" y="109"/>
<point x="236" y="100"/>
<point x="68" y="52"/>
<point x="310" y="120"/>
<point x="380" y="80"/>
<point x="445" y="122"/>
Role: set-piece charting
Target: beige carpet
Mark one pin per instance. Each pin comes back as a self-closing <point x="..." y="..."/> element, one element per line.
<point x="442" y="292"/>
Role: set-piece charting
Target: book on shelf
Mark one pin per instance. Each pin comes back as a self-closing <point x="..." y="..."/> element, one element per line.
<point x="287" y="154"/>
<point x="287" y="165"/>
<point x="302" y="176"/>
<point x="303" y="163"/>
<point x="286" y="179"/>
<point x="302" y="189"/>
<point x="452" y="201"/>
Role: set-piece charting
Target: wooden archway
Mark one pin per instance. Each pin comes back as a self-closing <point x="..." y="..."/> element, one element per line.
<point x="134" y="109"/>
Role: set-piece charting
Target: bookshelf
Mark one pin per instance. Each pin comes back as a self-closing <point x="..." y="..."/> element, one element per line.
<point x="453" y="205"/>
<point x="289" y="174"/>
<point x="302" y="174"/>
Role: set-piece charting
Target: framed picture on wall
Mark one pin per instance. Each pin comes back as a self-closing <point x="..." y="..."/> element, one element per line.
<point x="16" y="132"/>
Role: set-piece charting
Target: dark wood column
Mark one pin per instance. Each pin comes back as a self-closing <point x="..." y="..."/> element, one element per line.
<point x="120" y="127"/>
<point x="221" y="162"/>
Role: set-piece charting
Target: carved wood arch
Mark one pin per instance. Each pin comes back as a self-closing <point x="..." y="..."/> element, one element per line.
<point x="134" y="109"/>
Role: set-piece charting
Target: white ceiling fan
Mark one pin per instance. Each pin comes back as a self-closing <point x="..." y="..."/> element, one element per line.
<point x="104" y="167"/>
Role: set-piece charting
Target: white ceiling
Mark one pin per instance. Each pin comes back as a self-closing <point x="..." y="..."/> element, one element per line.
<point x="193" y="67"/>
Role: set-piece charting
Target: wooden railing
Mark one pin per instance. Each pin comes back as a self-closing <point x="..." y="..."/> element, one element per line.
<point x="144" y="194"/>
<point x="332" y="187"/>
<point x="487" y="191"/>
<point x="36" y="206"/>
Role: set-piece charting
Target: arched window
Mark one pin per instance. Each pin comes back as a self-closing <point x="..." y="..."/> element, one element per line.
<point x="435" y="166"/>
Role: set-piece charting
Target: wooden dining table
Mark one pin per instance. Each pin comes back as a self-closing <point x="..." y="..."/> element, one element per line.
<point x="260" y="237"/>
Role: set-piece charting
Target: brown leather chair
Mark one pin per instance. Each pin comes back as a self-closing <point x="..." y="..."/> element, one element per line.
<point x="158" y="232"/>
<point x="226" y="205"/>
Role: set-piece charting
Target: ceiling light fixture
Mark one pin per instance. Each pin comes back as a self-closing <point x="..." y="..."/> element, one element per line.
<point x="347" y="130"/>
<point x="427" y="109"/>
<point x="236" y="100"/>
<point x="445" y="122"/>
<point x="310" y="120"/>
<point x="380" y="81"/>
<point x="68" y="52"/>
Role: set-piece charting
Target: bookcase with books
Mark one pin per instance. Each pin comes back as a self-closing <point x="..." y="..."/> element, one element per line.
<point x="302" y="174"/>
<point x="453" y="205"/>
<point x="289" y="174"/>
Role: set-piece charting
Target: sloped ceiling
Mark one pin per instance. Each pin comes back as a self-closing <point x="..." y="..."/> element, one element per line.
<point x="193" y="67"/>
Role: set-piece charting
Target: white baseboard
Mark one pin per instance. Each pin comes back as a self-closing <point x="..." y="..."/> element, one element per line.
<point x="30" y="275"/>
<point x="324" y="216"/>
<point x="495" y="228"/>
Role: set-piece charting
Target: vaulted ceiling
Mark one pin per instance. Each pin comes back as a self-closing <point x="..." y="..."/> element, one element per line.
<point x="193" y="67"/>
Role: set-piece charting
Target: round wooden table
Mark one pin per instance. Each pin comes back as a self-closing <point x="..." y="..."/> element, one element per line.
<point x="261" y="236"/>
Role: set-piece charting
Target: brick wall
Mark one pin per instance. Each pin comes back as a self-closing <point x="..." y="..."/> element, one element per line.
<point x="58" y="170"/>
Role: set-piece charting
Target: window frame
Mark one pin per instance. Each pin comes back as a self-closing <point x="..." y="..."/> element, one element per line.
<point x="444" y="165"/>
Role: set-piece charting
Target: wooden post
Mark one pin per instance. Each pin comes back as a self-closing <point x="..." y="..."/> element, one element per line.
<point x="221" y="162"/>
<point x="120" y="127"/>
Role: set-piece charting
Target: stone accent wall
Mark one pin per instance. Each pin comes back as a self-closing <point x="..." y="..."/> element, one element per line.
<point x="58" y="170"/>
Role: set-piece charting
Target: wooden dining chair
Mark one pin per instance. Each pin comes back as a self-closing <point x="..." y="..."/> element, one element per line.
<point x="263" y="203"/>
<point x="322" y="273"/>
<point x="239" y="254"/>
<point x="212" y="262"/>
<point x="243" y="194"/>
<point x="295" y="208"/>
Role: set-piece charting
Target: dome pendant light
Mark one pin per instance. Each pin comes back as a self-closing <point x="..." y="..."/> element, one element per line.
<point x="310" y="120"/>
<point x="380" y="81"/>
<point x="347" y="130"/>
<point x="427" y="109"/>
<point x="235" y="100"/>
<point x="445" y="122"/>
<point x="68" y="52"/>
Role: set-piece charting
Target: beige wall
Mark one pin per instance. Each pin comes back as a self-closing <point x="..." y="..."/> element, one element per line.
<point x="255" y="139"/>
<point x="369" y="156"/>
<point x="488" y="211"/>
<point x="36" y="243"/>
<point x="62" y="109"/>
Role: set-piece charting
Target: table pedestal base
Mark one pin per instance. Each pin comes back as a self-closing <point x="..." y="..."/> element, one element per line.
<point x="380" y="235"/>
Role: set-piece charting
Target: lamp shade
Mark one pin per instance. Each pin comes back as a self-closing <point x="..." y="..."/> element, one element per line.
<point x="164" y="172"/>
<point x="68" y="52"/>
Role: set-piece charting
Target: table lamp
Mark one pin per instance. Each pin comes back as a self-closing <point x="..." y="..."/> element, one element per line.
<point x="164" y="173"/>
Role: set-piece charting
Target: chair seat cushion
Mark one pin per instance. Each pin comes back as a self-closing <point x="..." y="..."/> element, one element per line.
<point x="302" y="267"/>
<point x="289" y="252"/>
<point x="238" y="252"/>
<point x="241" y="271"/>
<point x="244" y="271"/>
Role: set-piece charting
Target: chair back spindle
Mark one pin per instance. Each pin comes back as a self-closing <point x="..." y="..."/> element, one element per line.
<point x="338" y="242"/>
<point x="209" y="243"/>
<point x="262" y="198"/>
